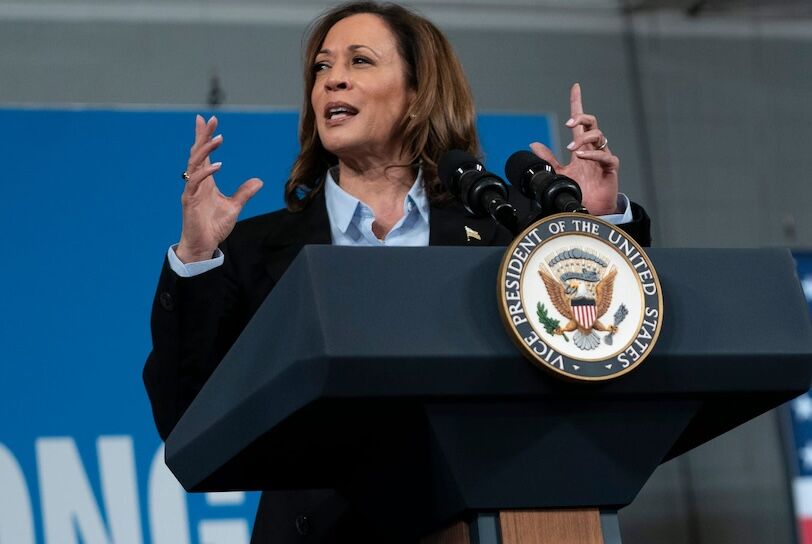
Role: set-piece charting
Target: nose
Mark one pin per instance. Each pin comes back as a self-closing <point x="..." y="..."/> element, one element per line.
<point x="336" y="85"/>
<point x="337" y="80"/>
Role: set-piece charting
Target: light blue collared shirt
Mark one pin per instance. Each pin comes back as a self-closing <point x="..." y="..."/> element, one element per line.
<point x="351" y="220"/>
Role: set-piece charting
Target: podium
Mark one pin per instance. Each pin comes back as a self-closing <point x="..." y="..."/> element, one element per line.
<point x="388" y="375"/>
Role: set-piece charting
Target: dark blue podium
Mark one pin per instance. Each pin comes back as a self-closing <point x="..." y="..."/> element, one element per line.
<point x="387" y="374"/>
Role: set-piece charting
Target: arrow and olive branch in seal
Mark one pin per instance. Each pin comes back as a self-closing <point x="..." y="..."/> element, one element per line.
<point x="550" y="325"/>
<point x="619" y="316"/>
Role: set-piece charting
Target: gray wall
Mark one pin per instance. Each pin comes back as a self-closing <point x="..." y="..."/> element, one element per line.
<point x="710" y="117"/>
<point x="731" y="490"/>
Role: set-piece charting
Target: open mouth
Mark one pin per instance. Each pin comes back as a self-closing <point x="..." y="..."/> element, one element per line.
<point x="337" y="111"/>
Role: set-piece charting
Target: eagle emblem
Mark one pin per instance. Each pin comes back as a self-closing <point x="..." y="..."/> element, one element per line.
<point x="580" y="284"/>
<point x="580" y="298"/>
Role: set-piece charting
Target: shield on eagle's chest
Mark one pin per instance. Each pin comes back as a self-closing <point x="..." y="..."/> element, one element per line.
<point x="583" y="309"/>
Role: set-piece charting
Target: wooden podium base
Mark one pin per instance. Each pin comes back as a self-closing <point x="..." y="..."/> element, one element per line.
<point x="582" y="526"/>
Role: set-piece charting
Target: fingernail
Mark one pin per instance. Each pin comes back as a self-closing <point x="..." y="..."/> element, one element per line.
<point x="579" y="153"/>
<point x="218" y="137"/>
<point x="217" y="164"/>
<point x="570" y="122"/>
<point x="571" y="146"/>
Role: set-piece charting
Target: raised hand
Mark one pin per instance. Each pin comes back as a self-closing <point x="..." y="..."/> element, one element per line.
<point x="208" y="215"/>
<point x="592" y="164"/>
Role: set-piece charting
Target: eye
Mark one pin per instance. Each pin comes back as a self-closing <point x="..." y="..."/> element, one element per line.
<point x="319" y="67"/>
<point x="358" y="59"/>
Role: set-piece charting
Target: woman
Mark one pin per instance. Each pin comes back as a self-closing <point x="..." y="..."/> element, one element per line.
<point x="385" y="96"/>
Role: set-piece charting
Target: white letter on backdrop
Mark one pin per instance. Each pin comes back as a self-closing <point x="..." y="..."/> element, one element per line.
<point x="16" y="518"/>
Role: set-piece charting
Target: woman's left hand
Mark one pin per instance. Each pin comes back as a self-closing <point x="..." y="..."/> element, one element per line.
<point x="592" y="164"/>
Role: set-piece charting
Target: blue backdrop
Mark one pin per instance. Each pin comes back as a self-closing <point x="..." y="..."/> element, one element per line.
<point x="91" y="201"/>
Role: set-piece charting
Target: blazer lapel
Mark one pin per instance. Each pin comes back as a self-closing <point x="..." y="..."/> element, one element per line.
<point x="293" y="232"/>
<point x="451" y="225"/>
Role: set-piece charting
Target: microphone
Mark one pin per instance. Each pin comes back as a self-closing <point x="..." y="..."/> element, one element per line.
<point x="537" y="180"/>
<point x="481" y="192"/>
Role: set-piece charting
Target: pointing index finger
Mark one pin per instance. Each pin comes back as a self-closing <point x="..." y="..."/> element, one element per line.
<point x="576" y="108"/>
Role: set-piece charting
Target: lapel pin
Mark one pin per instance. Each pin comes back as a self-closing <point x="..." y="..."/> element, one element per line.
<point x="471" y="233"/>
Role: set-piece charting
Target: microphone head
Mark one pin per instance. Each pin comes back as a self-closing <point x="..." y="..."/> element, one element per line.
<point x="452" y="161"/>
<point x="523" y="162"/>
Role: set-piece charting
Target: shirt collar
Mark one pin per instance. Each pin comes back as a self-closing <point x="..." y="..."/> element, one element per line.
<point x="342" y="206"/>
<point x="418" y="197"/>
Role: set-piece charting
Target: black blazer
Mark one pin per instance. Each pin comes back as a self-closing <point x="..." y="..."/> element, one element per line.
<point x="196" y="320"/>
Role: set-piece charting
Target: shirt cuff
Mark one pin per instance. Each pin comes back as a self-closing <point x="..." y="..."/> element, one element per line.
<point x="193" y="269"/>
<point x="623" y="203"/>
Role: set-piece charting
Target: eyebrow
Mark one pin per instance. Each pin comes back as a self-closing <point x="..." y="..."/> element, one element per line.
<point x="351" y="48"/>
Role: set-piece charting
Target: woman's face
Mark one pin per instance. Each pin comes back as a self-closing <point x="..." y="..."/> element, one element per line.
<point x="360" y="95"/>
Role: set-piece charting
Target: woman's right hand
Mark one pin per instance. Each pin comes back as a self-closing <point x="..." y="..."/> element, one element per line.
<point x="208" y="215"/>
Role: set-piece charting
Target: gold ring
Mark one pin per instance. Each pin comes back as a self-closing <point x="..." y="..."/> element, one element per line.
<point x="185" y="175"/>
<point x="603" y="145"/>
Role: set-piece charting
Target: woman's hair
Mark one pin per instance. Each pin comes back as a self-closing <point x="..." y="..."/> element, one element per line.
<point x="441" y="118"/>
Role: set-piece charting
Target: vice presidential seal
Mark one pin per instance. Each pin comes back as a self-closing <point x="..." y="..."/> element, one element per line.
<point x="580" y="297"/>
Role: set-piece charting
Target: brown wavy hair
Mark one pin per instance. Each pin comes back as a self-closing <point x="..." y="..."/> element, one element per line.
<point x="442" y="116"/>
